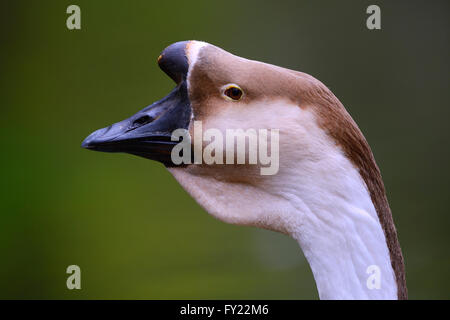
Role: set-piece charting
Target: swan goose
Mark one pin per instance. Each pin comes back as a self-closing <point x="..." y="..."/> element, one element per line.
<point x="328" y="193"/>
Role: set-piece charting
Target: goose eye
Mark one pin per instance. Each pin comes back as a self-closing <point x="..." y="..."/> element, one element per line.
<point x="233" y="92"/>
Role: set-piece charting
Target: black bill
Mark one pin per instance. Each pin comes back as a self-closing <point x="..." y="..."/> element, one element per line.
<point x="148" y="132"/>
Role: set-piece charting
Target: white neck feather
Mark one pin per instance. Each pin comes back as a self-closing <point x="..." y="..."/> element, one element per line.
<point x="337" y="227"/>
<point x="343" y="241"/>
<point x="319" y="198"/>
<point x="338" y="231"/>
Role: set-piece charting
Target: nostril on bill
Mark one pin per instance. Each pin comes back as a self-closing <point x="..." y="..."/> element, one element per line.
<point x="142" y="120"/>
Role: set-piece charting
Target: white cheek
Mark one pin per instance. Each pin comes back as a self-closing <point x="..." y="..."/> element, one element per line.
<point x="299" y="135"/>
<point x="239" y="203"/>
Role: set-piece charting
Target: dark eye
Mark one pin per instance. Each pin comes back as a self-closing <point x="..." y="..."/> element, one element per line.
<point x="233" y="92"/>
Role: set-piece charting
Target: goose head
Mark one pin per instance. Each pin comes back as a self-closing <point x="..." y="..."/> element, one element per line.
<point x="321" y="186"/>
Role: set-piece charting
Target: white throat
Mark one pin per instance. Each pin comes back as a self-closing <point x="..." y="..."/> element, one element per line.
<point x="345" y="246"/>
<point x="318" y="198"/>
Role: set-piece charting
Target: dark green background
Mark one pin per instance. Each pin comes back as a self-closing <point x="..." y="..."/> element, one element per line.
<point x="125" y="221"/>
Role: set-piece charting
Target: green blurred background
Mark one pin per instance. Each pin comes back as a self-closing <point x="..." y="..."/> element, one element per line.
<point x="125" y="221"/>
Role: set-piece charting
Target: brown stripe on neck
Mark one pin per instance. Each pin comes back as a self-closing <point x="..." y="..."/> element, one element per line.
<point x="333" y="118"/>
